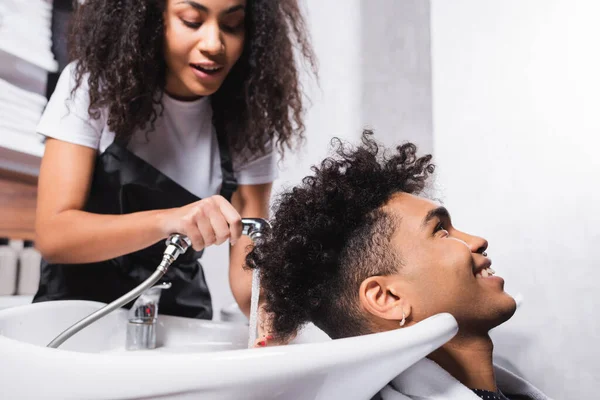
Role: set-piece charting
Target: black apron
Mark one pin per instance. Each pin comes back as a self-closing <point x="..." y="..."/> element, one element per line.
<point x="124" y="183"/>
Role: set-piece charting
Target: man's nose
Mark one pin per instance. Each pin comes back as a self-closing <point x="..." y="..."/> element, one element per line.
<point x="476" y="244"/>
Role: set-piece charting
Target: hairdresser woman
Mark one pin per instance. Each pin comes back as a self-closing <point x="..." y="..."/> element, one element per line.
<point x="168" y="120"/>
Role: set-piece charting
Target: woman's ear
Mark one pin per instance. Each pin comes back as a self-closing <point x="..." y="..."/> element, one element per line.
<point x="380" y="297"/>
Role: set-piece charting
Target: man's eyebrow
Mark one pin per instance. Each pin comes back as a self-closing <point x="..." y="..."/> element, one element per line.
<point x="201" y="7"/>
<point x="439" y="212"/>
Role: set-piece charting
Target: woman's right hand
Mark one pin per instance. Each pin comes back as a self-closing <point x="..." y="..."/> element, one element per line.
<point x="206" y="222"/>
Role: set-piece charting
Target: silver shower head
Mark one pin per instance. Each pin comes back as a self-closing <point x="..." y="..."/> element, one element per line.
<point x="255" y="228"/>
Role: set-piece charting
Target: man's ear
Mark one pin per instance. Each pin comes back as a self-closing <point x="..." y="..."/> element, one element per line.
<point x="379" y="296"/>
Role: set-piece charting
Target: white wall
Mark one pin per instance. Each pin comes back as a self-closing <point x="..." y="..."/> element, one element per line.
<point x="334" y="111"/>
<point x="396" y="71"/>
<point x="516" y="88"/>
<point x="375" y="71"/>
<point x="335" y="28"/>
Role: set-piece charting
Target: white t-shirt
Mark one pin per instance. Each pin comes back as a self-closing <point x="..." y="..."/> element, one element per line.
<point x="183" y="145"/>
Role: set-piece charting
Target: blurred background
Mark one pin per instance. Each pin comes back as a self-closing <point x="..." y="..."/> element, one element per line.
<point x="504" y="93"/>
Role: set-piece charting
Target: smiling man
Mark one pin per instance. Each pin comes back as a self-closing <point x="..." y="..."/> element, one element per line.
<point x="357" y="249"/>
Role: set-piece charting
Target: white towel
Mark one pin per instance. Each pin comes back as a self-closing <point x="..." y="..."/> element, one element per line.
<point x="428" y="381"/>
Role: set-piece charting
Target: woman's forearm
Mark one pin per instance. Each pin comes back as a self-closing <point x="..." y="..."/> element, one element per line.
<point x="240" y="279"/>
<point x="74" y="236"/>
<point x="65" y="233"/>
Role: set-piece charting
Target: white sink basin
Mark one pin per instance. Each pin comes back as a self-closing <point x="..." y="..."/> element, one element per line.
<point x="195" y="359"/>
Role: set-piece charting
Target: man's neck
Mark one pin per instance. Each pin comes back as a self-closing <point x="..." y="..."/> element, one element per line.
<point x="469" y="360"/>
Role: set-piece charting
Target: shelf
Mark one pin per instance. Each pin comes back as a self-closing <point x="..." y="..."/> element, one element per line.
<point x="22" y="74"/>
<point x="25" y="32"/>
<point x="21" y="153"/>
<point x="30" y="145"/>
<point x="49" y="65"/>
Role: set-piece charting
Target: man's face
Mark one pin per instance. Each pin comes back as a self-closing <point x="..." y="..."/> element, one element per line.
<point x="442" y="267"/>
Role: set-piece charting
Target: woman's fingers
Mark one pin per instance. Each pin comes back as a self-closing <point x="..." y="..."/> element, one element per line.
<point x="232" y="217"/>
<point x="189" y="228"/>
<point x="209" y="221"/>
<point x="214" y="221"/>
<point x="205" y="209"/>
<point x="218" y="223"/>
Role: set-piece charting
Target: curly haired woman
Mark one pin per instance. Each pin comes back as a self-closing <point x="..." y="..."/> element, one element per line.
<point x="357" y="249"/>
<point x="169" y="119"/>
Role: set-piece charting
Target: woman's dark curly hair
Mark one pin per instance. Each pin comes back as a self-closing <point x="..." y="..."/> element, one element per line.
<point x="330" y="233"/>
<point x="119" y="43"/>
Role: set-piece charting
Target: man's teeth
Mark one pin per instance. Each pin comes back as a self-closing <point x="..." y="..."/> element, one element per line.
<point x="485" y="273"/>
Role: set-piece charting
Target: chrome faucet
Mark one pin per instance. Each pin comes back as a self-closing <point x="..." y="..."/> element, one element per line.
<point x="142" y="318"/>
<point x="141" y="325"/>
<point x="176" y="245"/>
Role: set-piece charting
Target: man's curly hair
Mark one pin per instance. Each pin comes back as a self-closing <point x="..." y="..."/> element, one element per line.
<point x="330" y="233"/>
<point x="119" y="43"/>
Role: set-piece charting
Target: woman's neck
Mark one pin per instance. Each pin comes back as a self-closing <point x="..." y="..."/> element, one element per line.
<point x="182" y="97"/>
<point x="469" y="360"/>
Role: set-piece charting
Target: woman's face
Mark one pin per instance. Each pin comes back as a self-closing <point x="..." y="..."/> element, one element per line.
<point x="203" y="41"/>
<point x="443" y="269"/>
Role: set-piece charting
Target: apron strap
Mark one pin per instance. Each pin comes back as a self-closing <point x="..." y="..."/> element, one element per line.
<point x="229" y="184"/>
